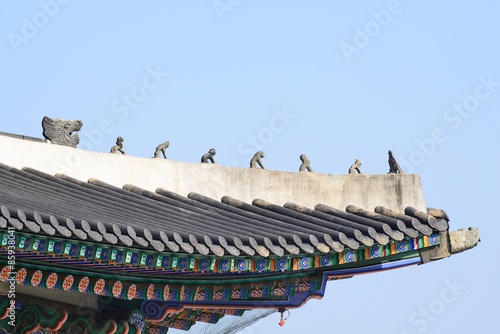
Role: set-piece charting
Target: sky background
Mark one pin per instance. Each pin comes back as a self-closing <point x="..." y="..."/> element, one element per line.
<point x="336" y="80"/>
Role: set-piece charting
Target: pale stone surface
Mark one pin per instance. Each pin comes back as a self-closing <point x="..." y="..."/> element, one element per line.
<point x="464" y="239"/>
<point x="394" y="191"/>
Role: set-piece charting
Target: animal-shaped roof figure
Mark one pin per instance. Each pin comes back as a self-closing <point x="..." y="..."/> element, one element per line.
<point x="61" y="132"/>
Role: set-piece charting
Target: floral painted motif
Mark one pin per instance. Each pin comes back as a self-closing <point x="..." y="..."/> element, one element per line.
<point x="36" y="279"/>
<point x="280" y="290"/>
<point x="84" y="284"/>
<point x="200" y="294"/>
<point x="117" y="289"/>
<point x="136" y="318"/>
<point x="180" y="324"/>
<point x="232" y="312"/>
<point x="166" y="293"/>
<point x="208" y="317"/>
<point x="4" y="275"/>
<point x="305" y="287"/>
<point x="99" y="287"/>
<point x="257" y="292"/>
<point x="183" y="293"/>
<point x="151" y="292"/>
<point x="21" y="276"/>
<point x="51" y="281"/>
<point x="68" y="283"/>
<point x="132" y="292"/>
<point x="237" y="293"/>
<point x="218" y="294"/>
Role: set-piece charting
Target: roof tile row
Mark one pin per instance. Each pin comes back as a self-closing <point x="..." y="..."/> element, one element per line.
<point x="166" y="221"/>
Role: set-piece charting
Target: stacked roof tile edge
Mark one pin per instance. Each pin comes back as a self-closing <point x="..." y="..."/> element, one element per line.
<point x="165" y="221"/>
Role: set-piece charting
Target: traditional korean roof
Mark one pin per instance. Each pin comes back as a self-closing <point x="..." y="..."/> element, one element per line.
<point x="164" y="258"/>
<point x="195" y="225"/>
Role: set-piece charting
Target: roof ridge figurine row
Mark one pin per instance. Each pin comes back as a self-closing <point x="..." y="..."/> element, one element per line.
<point x="65" y="133"/>
<point x="256" y="160"/>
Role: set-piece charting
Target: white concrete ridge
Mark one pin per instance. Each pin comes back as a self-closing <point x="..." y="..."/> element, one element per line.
<point x="394" y="191"/>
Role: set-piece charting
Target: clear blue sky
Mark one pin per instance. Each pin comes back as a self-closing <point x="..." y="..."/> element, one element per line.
<point x="336" y="80"/>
